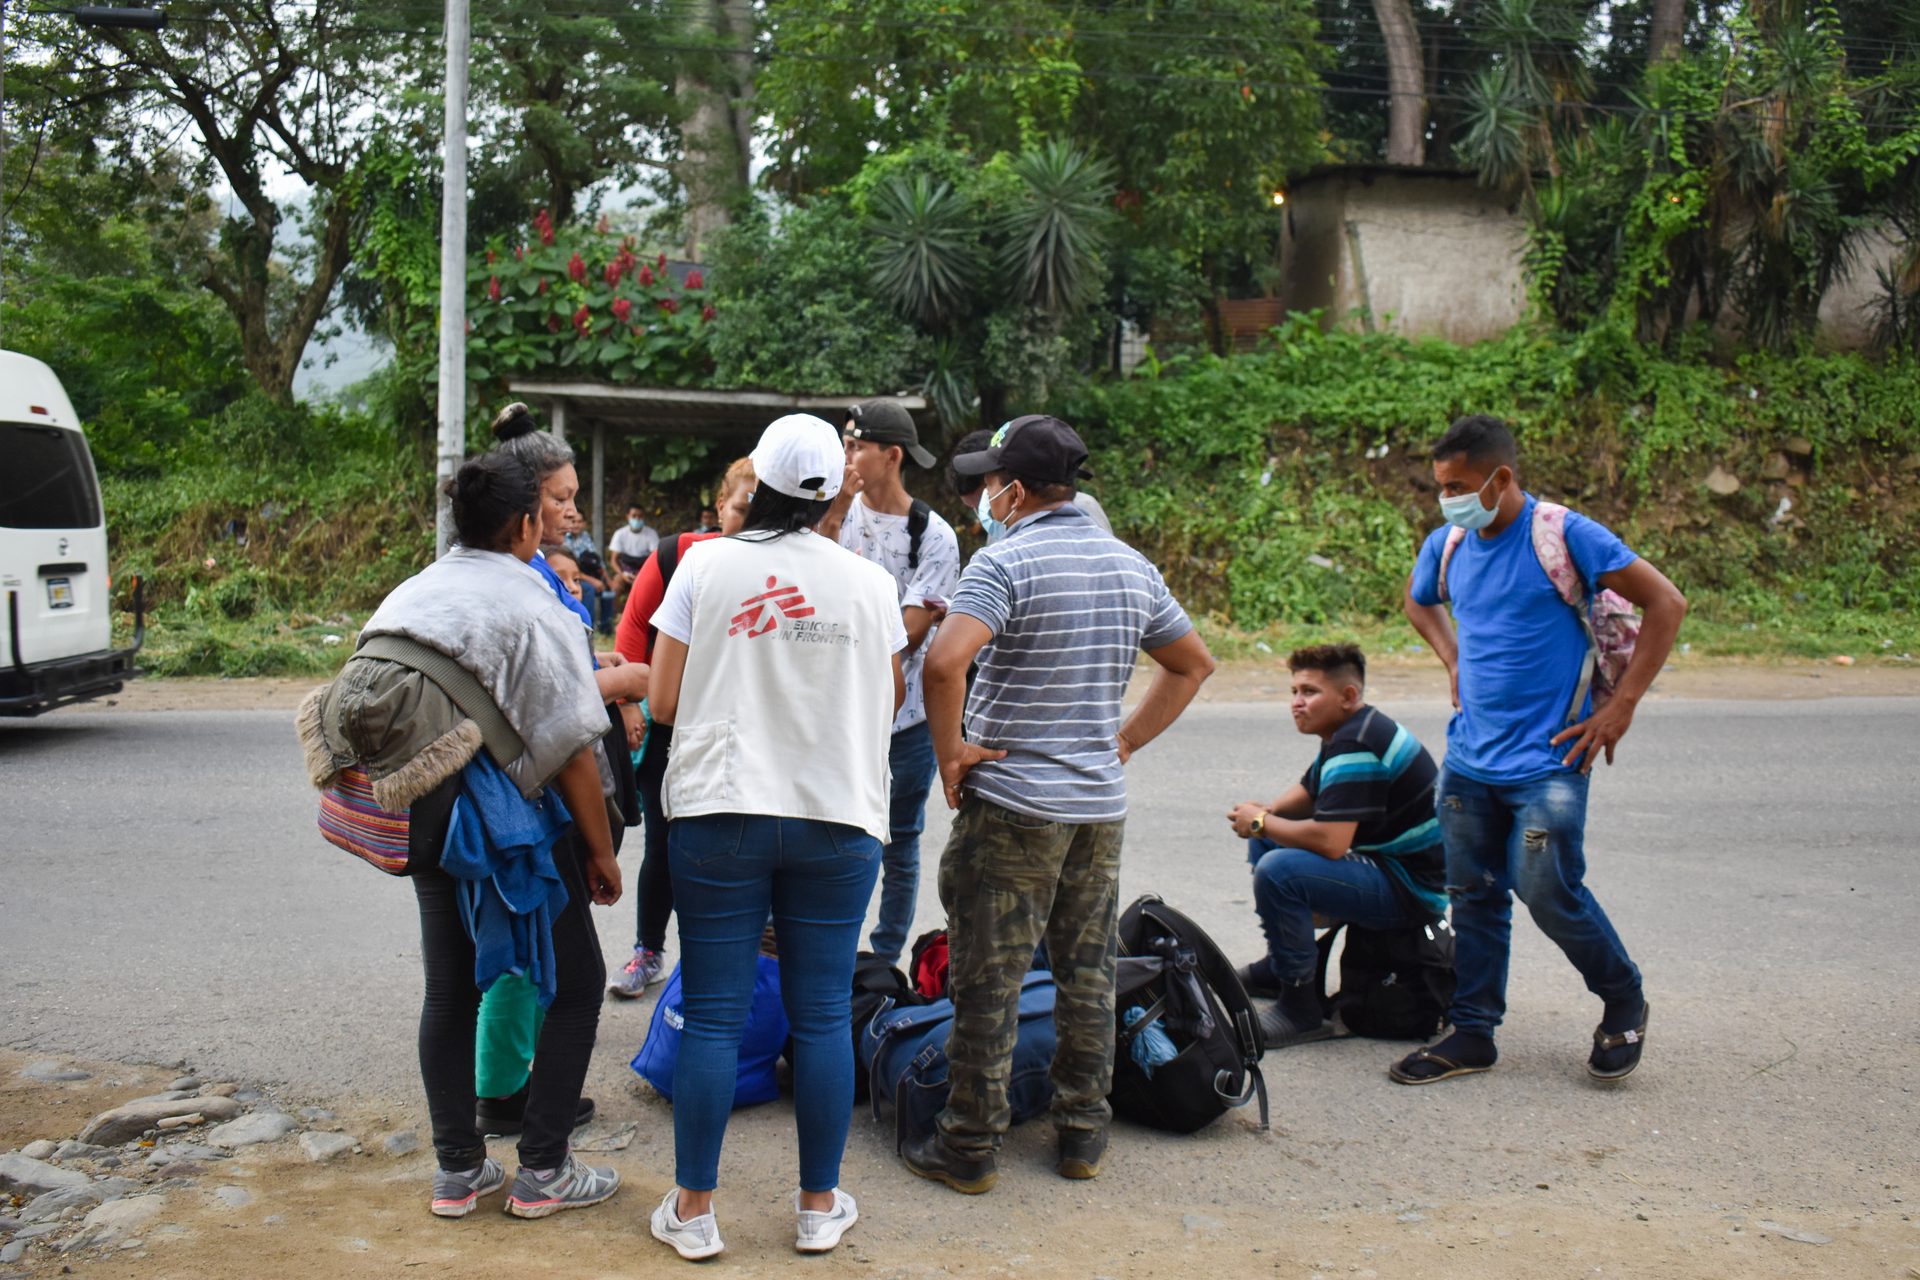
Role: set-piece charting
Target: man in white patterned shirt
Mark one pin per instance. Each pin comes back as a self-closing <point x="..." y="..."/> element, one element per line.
<point x="878" y="520"/>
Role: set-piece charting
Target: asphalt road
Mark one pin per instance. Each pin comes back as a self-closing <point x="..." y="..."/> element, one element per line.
<point x="164" y="896"/>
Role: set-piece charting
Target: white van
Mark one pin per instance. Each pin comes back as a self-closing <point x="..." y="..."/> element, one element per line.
<point x="56" y="606"/>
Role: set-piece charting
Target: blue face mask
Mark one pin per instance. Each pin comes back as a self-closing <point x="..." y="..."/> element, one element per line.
<point x="1465" y="511"/>
<point x="983" y="510"/>
<point x="636" y="525"/>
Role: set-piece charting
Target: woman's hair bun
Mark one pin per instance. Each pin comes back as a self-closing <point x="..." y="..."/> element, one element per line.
<point x="513" y="421"/>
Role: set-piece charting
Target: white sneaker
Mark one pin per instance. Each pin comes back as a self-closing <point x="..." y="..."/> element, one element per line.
<point x="819" y="1232"/>
<point x="693" y="1239"/>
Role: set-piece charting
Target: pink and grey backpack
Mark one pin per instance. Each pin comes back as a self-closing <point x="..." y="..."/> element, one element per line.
<point x="1607" y="617"/>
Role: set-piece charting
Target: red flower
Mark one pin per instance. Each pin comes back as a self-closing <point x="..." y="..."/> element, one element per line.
<point x="543" y="223"/>
<point x="622" y="308"/>
<point x="576" y="268"/>
<point x="660" y="264"/>
<point x="669" y="305"/>
<point x="489" y="257"/>
<point x="646" y="276"/>
<point x="519" y="253"/>
<point x="543" y="285"/>
<point x="707" y="313"/>
<point x="583" y="320"/>
<point x="612" y="274"/>
<point x="694" y="280"/>
<point x="493" y="288"/>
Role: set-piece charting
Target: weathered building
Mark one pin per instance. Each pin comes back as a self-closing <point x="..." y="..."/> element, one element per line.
<point x="1420" y="251"/>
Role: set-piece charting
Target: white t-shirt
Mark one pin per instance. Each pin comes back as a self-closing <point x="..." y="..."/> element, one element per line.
<point x="883" y="539"/>
<point x="640" y="545"/>
<point x="787" y="699"/>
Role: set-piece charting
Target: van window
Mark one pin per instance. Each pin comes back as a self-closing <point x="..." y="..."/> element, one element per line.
<point x="46" y="480"/>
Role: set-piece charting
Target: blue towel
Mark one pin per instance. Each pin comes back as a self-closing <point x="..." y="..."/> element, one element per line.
<point x="1151" y="1046"/>
<point x="500" y="848"/>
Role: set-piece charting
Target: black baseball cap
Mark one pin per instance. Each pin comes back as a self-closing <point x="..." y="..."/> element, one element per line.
<point x="887" y="422"/>
<point x="1036" y="447"/>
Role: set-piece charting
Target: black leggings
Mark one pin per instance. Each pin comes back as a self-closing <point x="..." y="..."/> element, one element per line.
<point x="655" y="890"/>
<point x="452" y="1004"/>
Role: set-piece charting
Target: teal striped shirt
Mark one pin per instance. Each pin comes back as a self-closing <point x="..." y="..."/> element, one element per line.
<point x="1374" y="773"/>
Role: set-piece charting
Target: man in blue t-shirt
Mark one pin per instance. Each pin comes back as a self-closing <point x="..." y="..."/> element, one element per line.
<point x="1512" y="795"/>
<point x="1355" y="839"/>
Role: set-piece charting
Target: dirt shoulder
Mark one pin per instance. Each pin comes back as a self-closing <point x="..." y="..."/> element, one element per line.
<point x="1236" y="681"/>
<point x="274" y="1209"/>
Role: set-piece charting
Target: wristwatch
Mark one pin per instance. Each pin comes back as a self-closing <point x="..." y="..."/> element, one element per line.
<point x="1259" y="824"/>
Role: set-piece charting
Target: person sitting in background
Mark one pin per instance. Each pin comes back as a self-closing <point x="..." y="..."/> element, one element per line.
<point x="631" y="544"/>
<point x="1355" y="839"/>
<point x="593" y="570"/>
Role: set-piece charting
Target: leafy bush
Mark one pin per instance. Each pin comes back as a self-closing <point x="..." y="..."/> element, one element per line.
<point x="579" y="298"/>
<point x="1292" y="484"/>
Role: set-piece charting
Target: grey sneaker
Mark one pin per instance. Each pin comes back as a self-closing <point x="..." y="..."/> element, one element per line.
<point x="694" y="1239"/>
<point x="646" y="968"/>
<point x="574" y="1185"/>
<point x="455" y="1194"/>
<point x="819" y="1232"/>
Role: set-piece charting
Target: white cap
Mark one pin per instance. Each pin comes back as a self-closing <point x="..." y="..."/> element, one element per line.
<point x="801" y="456"/>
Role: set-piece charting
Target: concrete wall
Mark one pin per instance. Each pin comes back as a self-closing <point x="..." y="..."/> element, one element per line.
<point x="1439" y="256"/>
<point x="1427" y="255"/>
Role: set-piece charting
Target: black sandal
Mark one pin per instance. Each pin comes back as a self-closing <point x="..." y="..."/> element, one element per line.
<point x="1634" y="1041"/>
<point x="1442" y="1068"/>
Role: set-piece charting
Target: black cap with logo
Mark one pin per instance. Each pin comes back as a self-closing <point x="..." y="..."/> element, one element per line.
<point x="1035" y="448"/>
<point x="887" y="422"/>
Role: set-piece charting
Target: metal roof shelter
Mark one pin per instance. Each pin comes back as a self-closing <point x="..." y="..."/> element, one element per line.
<point x="602" y="406"/>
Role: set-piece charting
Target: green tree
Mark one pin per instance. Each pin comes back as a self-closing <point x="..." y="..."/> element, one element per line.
<point x="266" y="89"/>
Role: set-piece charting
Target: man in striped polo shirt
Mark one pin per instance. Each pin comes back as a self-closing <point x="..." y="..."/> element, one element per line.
<point x="1056" y="611"/>
<point x="1355" y="839"/>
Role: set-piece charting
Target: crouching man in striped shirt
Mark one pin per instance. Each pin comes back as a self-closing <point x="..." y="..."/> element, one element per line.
<point x="1355" y="839"/>
<point x="1056" y="612"/>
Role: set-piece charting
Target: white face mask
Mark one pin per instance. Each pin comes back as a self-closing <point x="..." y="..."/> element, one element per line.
<point x="1466" y="511"/>
<point x="995" y="529"/>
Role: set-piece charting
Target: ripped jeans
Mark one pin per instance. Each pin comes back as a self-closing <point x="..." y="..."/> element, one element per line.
<point x="1524" y="838"/>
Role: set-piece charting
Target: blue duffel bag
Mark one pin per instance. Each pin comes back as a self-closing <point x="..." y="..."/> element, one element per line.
<point x="903" y="1052"/>
<point x="760" y="1043"/>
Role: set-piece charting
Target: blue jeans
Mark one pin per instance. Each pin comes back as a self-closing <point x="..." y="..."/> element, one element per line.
<point x="910" y="761"/>
<point x="1291" y="885"/>
<point x="1526" y="838"/>
<point x="817" y="877"/>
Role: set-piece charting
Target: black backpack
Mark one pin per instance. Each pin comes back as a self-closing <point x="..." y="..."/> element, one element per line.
<point x="877" y="986"/>
<point x="1395" y="984"/>
<point x="1172" y="971"/>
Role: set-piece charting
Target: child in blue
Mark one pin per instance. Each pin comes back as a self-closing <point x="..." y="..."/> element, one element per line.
<point x="1512" y="794"/>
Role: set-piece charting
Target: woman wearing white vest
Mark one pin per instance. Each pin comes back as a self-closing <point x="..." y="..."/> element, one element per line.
<point x="778" y="667"/>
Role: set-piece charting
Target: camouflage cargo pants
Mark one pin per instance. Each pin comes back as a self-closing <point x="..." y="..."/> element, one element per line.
<point x="1006" y="881"/>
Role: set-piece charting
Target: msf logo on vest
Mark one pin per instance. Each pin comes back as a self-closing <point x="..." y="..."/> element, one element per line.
<point x="761" y="614"/>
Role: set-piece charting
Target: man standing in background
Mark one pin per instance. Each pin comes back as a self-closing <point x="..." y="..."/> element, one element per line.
<point x="878" y="520"/>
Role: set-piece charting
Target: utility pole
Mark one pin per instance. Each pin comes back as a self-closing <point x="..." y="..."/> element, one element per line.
<point x="453" y="272"/>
